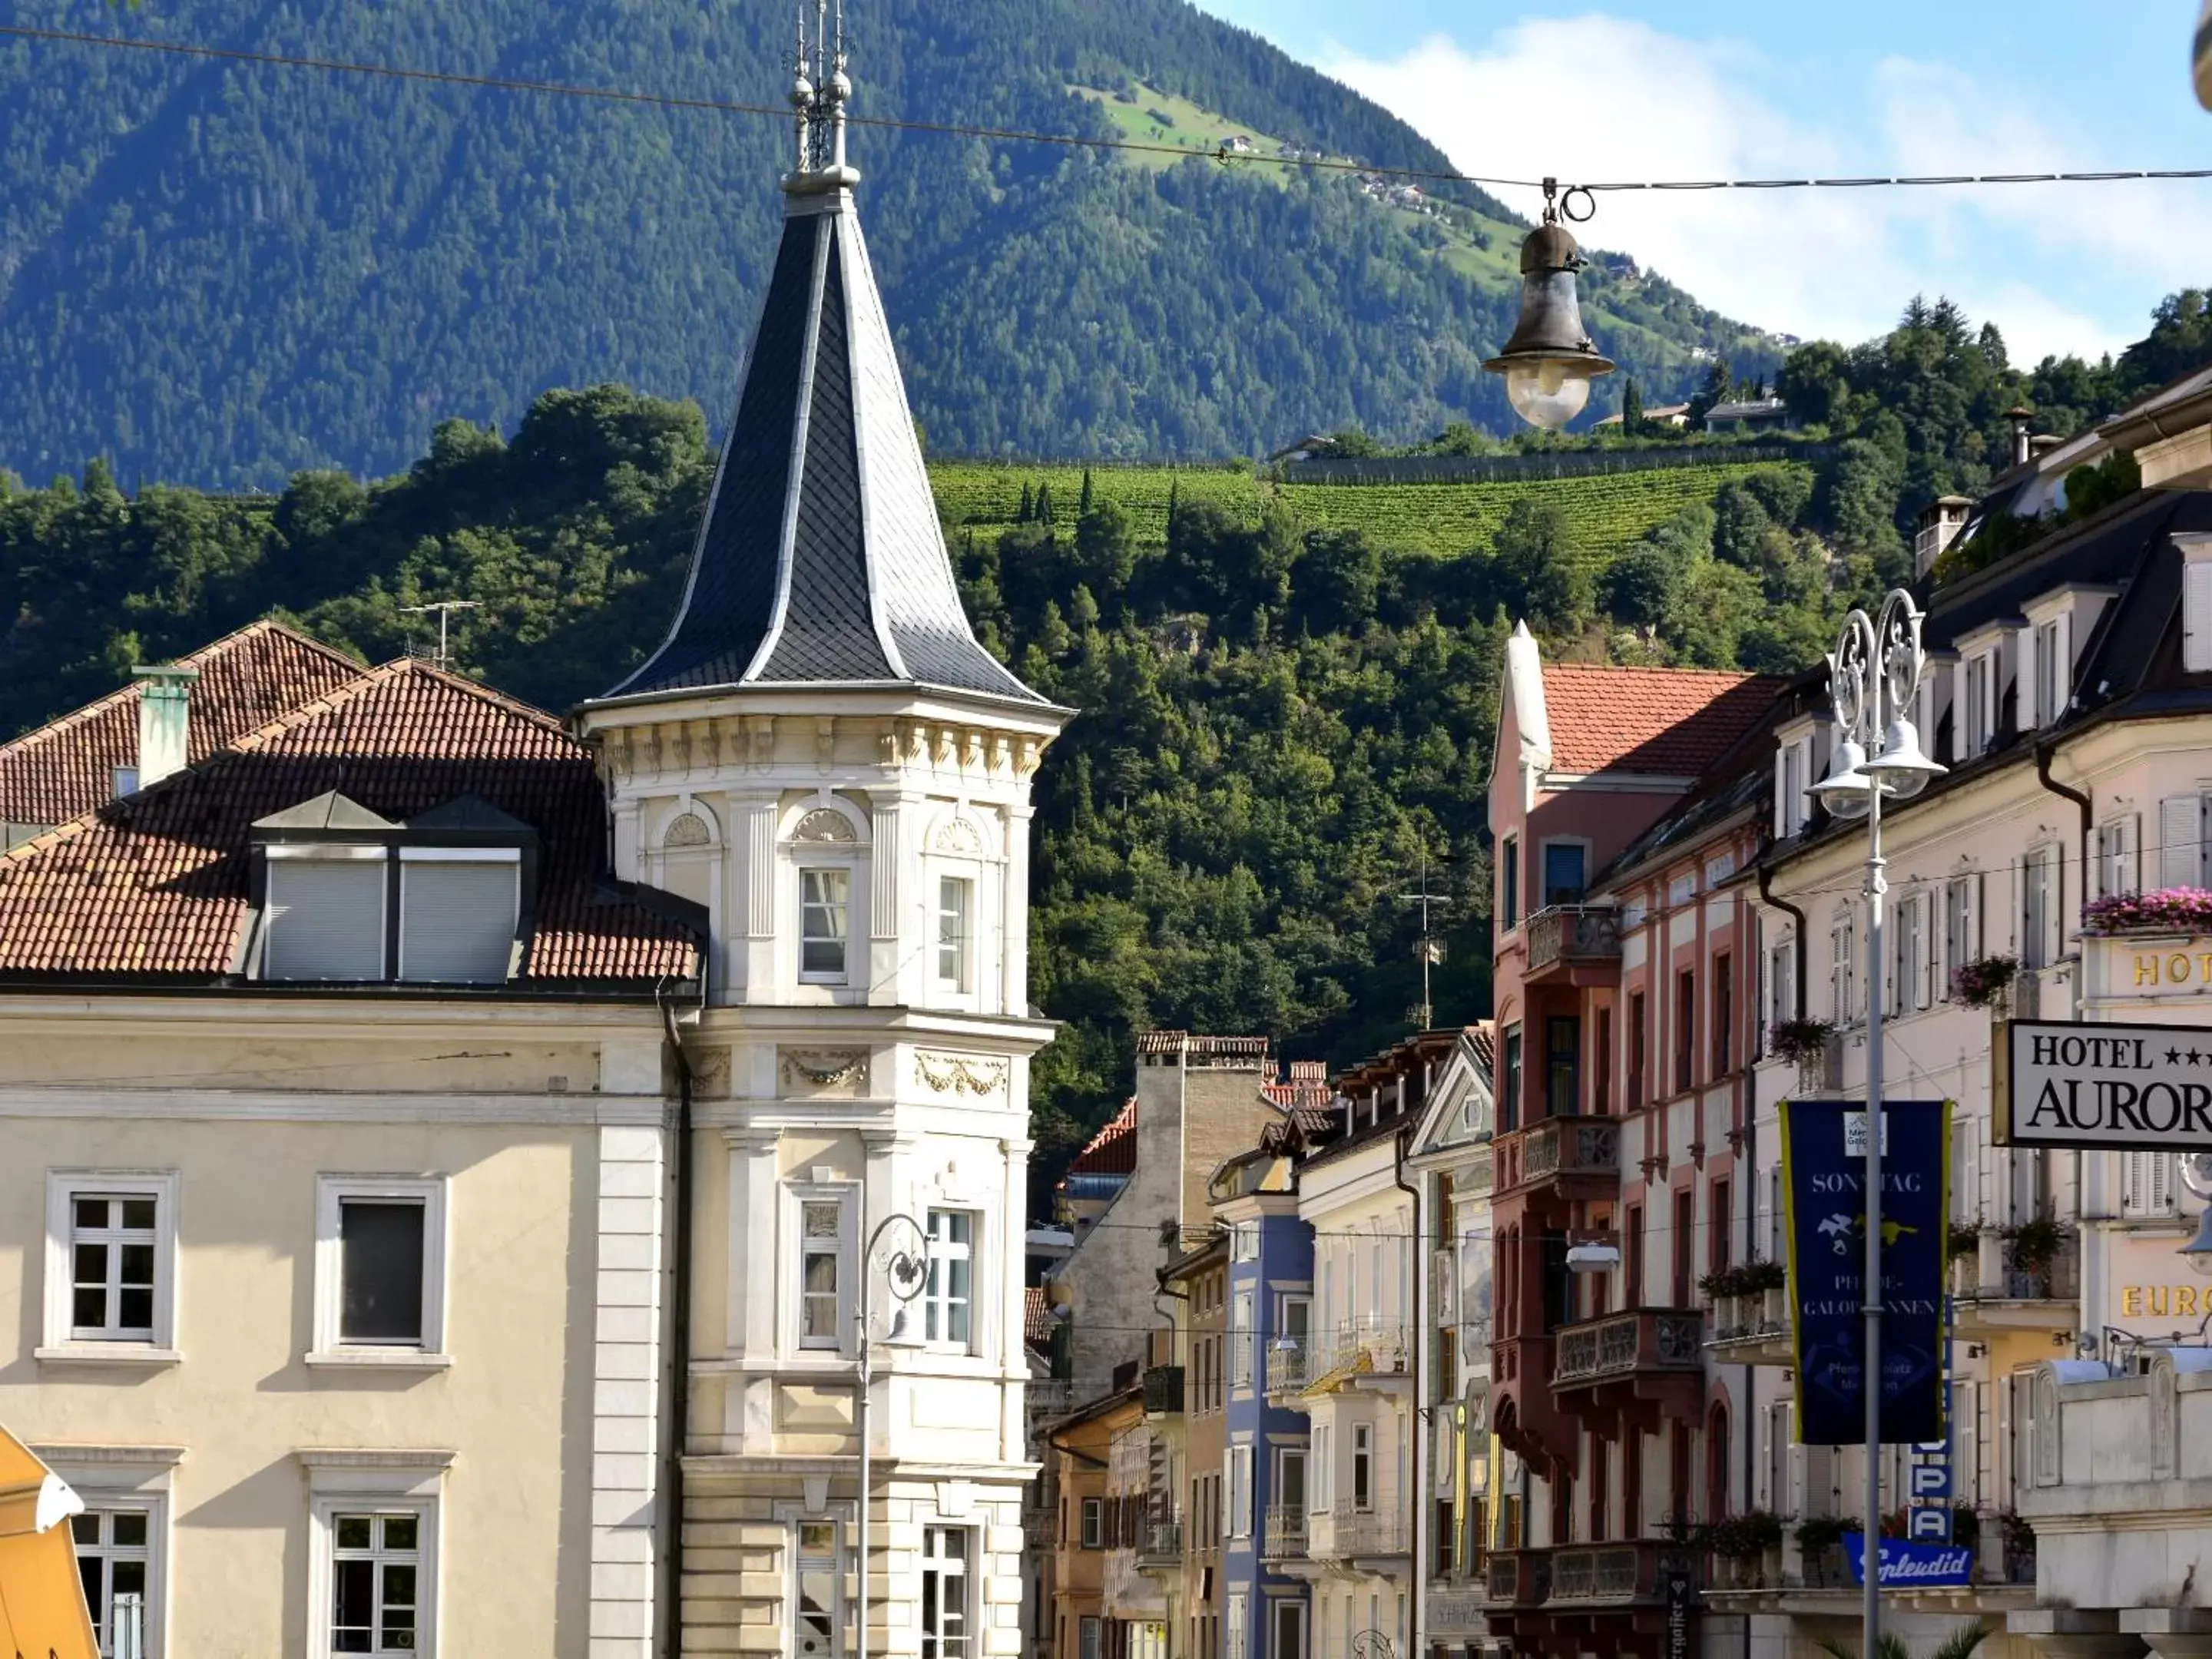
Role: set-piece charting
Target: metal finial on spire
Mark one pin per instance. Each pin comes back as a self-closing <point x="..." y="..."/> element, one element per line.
<point x="820" y="89"/>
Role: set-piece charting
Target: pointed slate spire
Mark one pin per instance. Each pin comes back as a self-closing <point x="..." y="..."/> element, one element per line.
<point x="821" y="561"/>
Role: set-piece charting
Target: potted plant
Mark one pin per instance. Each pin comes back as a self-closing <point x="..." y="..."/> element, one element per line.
<point x="1799" y="1040"/>
<point x="1820" y="1547"/>
<point x="1986" y="983"/>
<point x="1964" y="1250"/>
<point x="1765" y="1293"/>
<point x="2019" y="1540"/>
<point x="1721" y="1290"/>
<point x="1966" y="1525"/>
<point x="2164" y="910"/>
<point x="1742" y="1543"/>
<point x="2035" y="1245"/>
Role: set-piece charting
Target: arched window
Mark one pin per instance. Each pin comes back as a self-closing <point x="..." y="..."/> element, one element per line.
<point x="688" y="847"/>
<point x="825" y="850"/>
<point x="962" y="911"/>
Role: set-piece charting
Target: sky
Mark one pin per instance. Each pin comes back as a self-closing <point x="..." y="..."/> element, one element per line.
<point x="1650" y="89"/>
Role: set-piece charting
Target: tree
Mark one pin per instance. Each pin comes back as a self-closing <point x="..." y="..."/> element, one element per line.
<point x="1105" y="548"/>
<point x="1632" y="410"/>
<point x="1715" y="392"/>
<point x="1083" y="506"/>
<point x="1538" y="565"/>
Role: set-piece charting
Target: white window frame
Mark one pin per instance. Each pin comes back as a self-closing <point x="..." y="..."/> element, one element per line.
<point x="1091" y="1524"/>
<point x="967" y="1572"/>
<point x="59" y="1341"/>
<point x="2117" y="863"/>
<point x="797" y="1196"/>
<point x="1240" y="1491"/>
<point x="807" y="870"/>
<point x="351" y="1482"/>
<point x="1363" y="1451"/>
<point x="116" y="1479"/>
<point x="2040" y="944"/>
<point x="1236" y="1628"/>
<point x="2196" y="603"/>
<point x="1843" y="966"/>
<point x="1278" y="1606"/>
<point x="961" y="945"/>
<point x="331" y="1348"/>
<point x="799" y="1556"/>
<point x="936" y="1300"/>
<point x="1512" y="878"/>
<point x="1962" y="921"/>
<point x="2049" y="674"/>
<point x="1980" y="672"/>
<point x="1089" y="1637"/>
<point x="2145" y="1185"/>
<point x="1244" y="1242"/>
<point x="1781" y="986"/>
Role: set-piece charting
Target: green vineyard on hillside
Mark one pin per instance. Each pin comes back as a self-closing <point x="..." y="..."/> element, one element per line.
<point x="1611" y="509"/>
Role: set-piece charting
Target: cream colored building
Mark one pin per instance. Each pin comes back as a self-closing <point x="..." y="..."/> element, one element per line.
<point x="822" y="756"/>
<point x="2070" y="695"/>
<point x="331" y="1220"/>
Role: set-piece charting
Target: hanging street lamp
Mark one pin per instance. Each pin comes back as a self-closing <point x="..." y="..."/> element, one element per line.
<point x="1551" y="360"/>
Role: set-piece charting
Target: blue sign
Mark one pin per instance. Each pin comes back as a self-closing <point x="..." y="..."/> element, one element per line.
<point x="1928" y="1487"/>
<point x="1910" y="1566"/>
<point x="1824" y="1166"/>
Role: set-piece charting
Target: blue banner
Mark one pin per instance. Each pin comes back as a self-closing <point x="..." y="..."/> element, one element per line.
<point x="1910" y="1566"/>
<point x="1824" y="1180"/>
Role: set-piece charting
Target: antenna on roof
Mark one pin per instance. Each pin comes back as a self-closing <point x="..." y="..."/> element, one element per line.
<point x="1429" y="948"/>
<point x="445" y="608"/>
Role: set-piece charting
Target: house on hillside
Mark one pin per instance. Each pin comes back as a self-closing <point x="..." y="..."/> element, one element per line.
<point x="1752" y="414"/>
<point x="1667" y="415"/>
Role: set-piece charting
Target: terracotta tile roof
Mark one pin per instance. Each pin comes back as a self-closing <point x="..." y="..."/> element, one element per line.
<point x="1113" y="1149"/>
<point x="1675" y="721"/>
<point x="67" y="767"/>
<point x="156" y="885"/>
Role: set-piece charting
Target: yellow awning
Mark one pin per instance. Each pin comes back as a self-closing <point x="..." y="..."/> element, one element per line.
<point x="41" y="1600"/>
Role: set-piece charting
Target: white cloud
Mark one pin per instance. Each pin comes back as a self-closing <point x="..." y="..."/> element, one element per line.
<point x="2058" y="267"/>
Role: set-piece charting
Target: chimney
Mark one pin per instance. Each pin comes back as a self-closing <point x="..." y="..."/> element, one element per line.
<point x="2022" y="418"/>
<point x="164" y="721"/>
<point x="1940" y="521"/>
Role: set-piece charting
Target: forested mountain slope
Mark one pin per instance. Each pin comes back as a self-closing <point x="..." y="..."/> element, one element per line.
<point x="219" y="274"/>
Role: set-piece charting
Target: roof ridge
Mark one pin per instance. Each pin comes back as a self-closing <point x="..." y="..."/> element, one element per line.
<point x="69" y="721"/>
<point x="370" y="679"/>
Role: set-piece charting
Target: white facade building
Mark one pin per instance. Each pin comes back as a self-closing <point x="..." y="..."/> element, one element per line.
<point x="822" y="755"/>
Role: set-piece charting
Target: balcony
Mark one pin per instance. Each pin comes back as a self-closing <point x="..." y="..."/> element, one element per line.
<point x="1617" y="1575"/>
<point x="1283" y="1538"/>
<point x="1577" y="1157"/>
<point x="1289" y="1365"/>
<point x="1164" y="1391"/>
<point x="1643" y="1364"/>
<point x="1573" y="944"/>
<point x="1752" y="1330"/>
<point x="1587" y="1577"/>
<point x="1346" y="1534"/>
<point x="1159" y="1544"/>
<point x="1518" y="1578"/>
<point x="1994" y="1290"/>
<point x="1369" y="1350"/>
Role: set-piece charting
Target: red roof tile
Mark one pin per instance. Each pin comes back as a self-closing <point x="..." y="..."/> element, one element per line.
<point x="67" y="767"/>
<point x="156" y="885"/>
<point x="1675" y="721"/>
<point x="1113" y="1149"/>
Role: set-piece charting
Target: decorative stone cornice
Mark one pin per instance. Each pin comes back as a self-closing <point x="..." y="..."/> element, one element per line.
<point x="965" y="1074"/>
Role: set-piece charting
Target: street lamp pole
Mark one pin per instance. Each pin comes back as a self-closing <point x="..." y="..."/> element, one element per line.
<point x="905" y="1271"/>
<point x="1873" y="679"/>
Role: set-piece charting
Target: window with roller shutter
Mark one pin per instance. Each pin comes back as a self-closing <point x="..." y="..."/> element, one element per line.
<point x="324" y="915"/>
<point x="457" y="914"/>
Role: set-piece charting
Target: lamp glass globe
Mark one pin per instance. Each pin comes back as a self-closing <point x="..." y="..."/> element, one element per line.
<point x="1548" y="391"/>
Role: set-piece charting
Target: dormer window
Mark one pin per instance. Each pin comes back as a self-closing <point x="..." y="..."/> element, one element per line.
<point x="1981" y="711"/>
<point x="126" y="780"/>
<point x="351" y="897"/>
<point x="324" y="919"/>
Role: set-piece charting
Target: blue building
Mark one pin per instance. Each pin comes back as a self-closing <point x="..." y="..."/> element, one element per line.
<point x="1267" y="1614"/>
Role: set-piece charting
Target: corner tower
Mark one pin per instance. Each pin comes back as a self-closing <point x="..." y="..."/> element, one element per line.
<point x="822" y="753"/>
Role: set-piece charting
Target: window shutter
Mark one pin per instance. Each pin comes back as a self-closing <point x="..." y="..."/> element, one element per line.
<point x="2196" y="617"/>
<point x="2134" y="1183"/>
<point x="1931" y="950"/>
<point x="1974" y="891"/>
<point x="457" y="922"/>
<point x="326" y="919"/>
<point x="2179" y="850"/>
<point x="2162" y="1182"/>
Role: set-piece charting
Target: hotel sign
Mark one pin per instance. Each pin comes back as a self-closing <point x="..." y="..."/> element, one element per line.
<point x="2109" y="1088"/>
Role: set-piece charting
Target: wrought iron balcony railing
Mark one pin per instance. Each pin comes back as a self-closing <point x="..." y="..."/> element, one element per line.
<point x="1620" y="1345"/>
<point x="1572" y="932"/>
